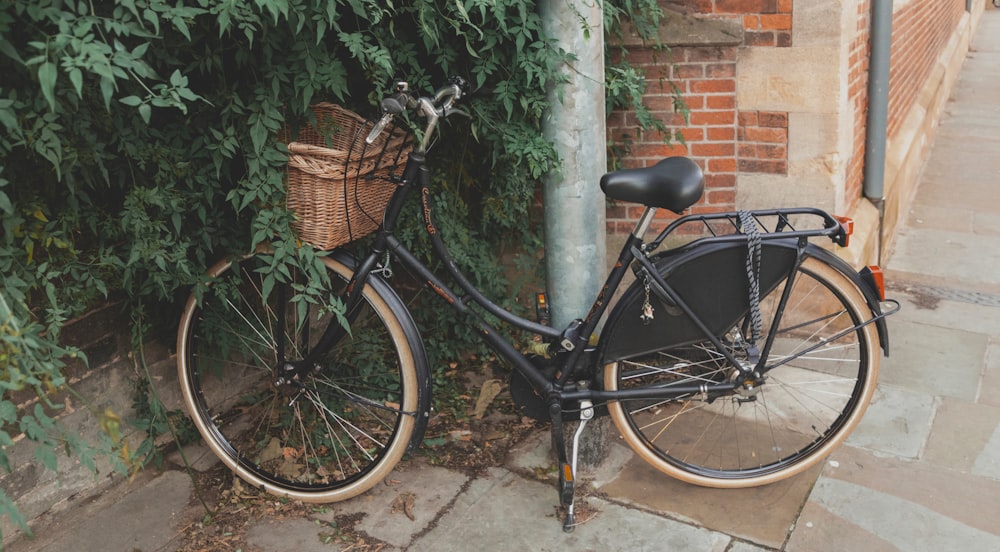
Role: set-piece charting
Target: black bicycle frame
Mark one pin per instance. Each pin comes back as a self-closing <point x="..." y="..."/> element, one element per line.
<point x="572" y="340"/>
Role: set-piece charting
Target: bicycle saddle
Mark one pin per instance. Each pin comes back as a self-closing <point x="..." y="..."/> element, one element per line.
<point x="675" y="183"/>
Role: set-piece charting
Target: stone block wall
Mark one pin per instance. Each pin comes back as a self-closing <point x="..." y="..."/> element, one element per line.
<point x="106" y="382"/>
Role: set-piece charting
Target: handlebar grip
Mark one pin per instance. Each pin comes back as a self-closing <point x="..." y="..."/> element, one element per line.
<point x="394" y="104"/>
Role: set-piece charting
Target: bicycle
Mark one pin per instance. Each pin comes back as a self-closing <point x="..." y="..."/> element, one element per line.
<point x="738" y="358"/>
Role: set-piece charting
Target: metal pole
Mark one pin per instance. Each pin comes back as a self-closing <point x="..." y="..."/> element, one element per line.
<point x="575" y="231"/>
<point x="878" y="99"/>
<point x="873" y="185"/>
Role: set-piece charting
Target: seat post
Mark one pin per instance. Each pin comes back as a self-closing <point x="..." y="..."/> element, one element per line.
<point x="644" y="221"/>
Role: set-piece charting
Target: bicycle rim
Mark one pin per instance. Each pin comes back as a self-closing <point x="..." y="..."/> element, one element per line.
<point x="822" y="373"/>
<point x="331" y="435"/>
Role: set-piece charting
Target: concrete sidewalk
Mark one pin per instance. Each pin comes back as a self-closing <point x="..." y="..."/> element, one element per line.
<point x="922" y="471"/>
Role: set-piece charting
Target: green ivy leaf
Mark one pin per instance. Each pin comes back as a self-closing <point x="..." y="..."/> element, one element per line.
<point x="47" y="456"/>
<point x="76" y="78"/>
<point x="47" y="76"/>
<point x="107" y="91"/>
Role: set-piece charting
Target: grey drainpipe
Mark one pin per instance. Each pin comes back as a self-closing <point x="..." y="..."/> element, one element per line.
<point x="878" y="109"/>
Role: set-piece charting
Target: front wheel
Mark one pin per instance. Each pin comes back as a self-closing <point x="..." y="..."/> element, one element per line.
<point x="326" y="435"/>
<point x="820" y="374"/>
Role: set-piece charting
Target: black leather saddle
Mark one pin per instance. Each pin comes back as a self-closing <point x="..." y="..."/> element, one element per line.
<point x="675" y="183"/>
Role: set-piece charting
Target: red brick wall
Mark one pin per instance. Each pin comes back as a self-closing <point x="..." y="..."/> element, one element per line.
<point x="723" y="140"/>
<point x="920" y="32"/>
<point x="706" y="80"/>
<point x="765" y="22"/>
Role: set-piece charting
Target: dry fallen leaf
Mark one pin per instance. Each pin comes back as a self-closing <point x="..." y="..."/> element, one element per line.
<point x="404" y="503"/>
<point x="491" y="388"/>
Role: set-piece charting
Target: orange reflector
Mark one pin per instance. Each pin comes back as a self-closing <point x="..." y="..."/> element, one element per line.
<point x="878" y="278"/>
<point x="567" y="473"/>
<point x="848" y="225"/>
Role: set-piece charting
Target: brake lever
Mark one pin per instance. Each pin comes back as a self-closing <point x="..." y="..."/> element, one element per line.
<point x="457" y="111"/>
<point x="391" y="105"/>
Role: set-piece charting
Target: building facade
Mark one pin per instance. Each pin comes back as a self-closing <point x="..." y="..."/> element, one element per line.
<point x="778" y="95"/>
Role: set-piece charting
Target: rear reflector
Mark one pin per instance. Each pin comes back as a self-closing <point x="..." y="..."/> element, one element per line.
<point x="847" y="223"/>
<point x="872" y="274"/>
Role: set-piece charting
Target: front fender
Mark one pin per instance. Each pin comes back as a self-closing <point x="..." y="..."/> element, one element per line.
<point x="416" y="344"/>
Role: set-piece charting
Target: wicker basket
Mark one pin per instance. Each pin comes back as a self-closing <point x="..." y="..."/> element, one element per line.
<point x="339" y="186"/>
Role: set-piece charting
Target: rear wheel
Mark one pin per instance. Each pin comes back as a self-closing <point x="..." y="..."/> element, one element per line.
<point x="327" y="435"/>
<point x="820" y="375"/>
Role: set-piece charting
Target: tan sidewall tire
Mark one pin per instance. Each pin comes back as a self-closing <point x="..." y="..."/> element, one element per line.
<point x="856" y="301"/>
<point x="396" y="449"/>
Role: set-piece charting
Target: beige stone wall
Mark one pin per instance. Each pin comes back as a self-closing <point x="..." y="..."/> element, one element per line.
<point x="807" y="80"/>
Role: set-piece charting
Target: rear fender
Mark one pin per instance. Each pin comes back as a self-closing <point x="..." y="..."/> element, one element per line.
<point x="695" y="275"/>
<point x="864" y="285"/>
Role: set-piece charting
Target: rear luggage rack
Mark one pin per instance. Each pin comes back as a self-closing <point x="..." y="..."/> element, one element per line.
<point x="771" y="224"/>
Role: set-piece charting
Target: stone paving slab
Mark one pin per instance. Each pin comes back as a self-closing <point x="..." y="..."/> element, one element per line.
<point x="897" y="422"/>
<point x="506" y="512"/>
<point x="913" y="505"/>
<point x="957" y="256"/>
<point x="963" y="436"/>
<point x="989" y="390"/>
<point x="292" y="535"/>
<point x="146" y="518"/>
<point x="919" y="306"/>
<point x="900" y="525"/>
<point x="907" y="525"/>
<point x="627" y="479"/>
<point x="762" y="515"/>
<point x="937" y="216"/>
<point x="934" y="361"/>
<point x="820" y="530"/>
<point x="987" y="463"/>
<point x="405" y="505"/>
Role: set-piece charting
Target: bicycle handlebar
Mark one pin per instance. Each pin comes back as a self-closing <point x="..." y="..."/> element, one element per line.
<point x="433" y="108"/>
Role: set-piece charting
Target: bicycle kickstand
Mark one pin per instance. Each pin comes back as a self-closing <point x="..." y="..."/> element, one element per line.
<point x="567" y="470"/>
